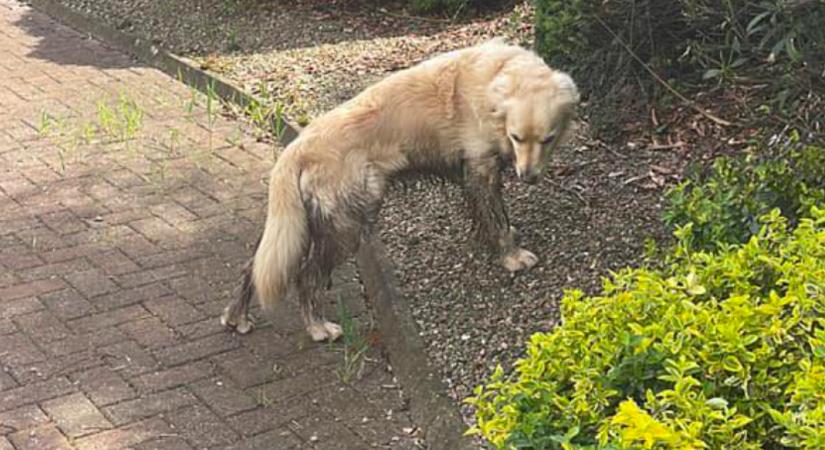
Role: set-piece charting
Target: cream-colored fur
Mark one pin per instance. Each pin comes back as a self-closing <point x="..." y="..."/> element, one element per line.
<point x="462" y="110"/>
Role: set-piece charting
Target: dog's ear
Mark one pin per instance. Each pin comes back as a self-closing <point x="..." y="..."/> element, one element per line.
<point x="566" y="90"/>
<point x="498" y="92"/>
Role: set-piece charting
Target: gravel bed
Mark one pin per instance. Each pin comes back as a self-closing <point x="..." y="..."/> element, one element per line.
<point x="589" y="217"/>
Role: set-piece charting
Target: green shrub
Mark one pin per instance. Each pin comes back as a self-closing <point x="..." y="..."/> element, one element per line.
<point x="716" y="351"/>
<point x="725" y="205"/>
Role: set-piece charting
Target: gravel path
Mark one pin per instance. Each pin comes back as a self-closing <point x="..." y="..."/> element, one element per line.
<point x="591" y="214"/>
<point x="583" y="221"/>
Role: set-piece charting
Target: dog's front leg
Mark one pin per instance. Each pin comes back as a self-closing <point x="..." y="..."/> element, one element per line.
<point x="482" y="189"/>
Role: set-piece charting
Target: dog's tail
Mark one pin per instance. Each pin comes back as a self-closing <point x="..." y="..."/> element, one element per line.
<point x="284" y="237"/>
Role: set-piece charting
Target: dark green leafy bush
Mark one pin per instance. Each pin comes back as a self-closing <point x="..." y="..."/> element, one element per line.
<point x="780" y="42"/>
<point x="718" y="350"/>
<point x="725" y="205"/>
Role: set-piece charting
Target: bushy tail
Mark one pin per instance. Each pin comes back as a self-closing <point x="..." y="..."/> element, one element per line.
<point x="284" y="237"/>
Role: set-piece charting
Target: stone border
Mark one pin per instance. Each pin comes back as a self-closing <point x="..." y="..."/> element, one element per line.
<point x="431" y="408"/>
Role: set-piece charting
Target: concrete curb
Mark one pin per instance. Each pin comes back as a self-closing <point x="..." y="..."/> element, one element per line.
<point x="163" y="60"/>
<point x="431" y="408"/>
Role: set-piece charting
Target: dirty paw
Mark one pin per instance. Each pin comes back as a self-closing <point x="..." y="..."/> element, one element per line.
<point x="324" y="331"/>
<point x="519" y="259"/>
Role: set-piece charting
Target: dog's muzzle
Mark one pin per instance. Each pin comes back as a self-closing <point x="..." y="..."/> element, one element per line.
<point x="531" y="177"/>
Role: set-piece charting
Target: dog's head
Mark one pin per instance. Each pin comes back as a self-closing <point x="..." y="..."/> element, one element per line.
<point x="536" y="106"/>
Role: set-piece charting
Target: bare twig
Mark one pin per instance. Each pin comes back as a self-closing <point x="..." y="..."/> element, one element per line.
<point x="715" y="119"/>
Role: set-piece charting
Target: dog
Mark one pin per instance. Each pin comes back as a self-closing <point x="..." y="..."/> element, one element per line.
<point x="466" y="112"/>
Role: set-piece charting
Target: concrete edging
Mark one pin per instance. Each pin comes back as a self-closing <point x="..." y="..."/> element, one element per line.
<point x="431" y="408"/>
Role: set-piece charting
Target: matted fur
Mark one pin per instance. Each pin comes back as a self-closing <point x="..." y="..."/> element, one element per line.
<point x="465" y="111"/>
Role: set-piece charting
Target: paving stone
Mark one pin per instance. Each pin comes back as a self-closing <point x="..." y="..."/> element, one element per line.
<point x="46" y="437"/>
<point x="112" y="280"/>
<point x="23" y="418"/>
<point x="103" y="385"/>
<point x="75" y="415"/>
<point x="149" y="405"/>
<point x="202" y="427"/>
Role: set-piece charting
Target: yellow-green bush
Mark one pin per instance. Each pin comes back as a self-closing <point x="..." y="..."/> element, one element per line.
<point x="724" y="205"/>
<point x="719" y="350"/>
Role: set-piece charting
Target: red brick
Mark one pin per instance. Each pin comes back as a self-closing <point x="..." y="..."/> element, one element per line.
<point x="125" y="436"/>
<point x="131" y="296"/>
<point x="18" y="349"/>
<point x="47" y="437"/>
<point x="23" y="418"/>
<point x="269" y="417"/>
<point x="7" y="327"/>
<point x="20" y="306"/>
<point x="173" y="213"/>
<point x="55" y="270"/>
<point x="67" y="304"/>
<point x="53" y="367"/>
<point x="114" y="262"/>
<point x="6" y="381"/>
<point x="104" y="386"/>
<point x="201" y="427"/>
<point x="34" y="392"/>
<point x="245" y="368"/>
<point x="173" y="310"/>
<point x="128" y="358"/>
<point x="206" y="327"/>
<point x="42" y="326"/>
<point x="174" y="377"/>
<point x="69" y="252"/>
<point x="91" y="283"/>
<point x="165" y="443"/>
<point x="149" y="405"/>
<point x="63" y="222"/>
<point x="151" y="333"/>
<point x="90" y="341"/>
<point x="31" y="289"/>
<point x="109" y="318"/>
<point x="75" y="415"/>
<point x="145" y="277"/>
<point x="169" y="258"/>
<point x="222" y="397"/>
<point x="201" y="348"/>
<point x="19" y="257"/>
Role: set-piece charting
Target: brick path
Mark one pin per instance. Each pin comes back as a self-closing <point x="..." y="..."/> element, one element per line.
<point x="126" y="211"/>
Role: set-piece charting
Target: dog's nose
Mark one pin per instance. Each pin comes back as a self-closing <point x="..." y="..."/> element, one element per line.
<point x="530" y="177"/>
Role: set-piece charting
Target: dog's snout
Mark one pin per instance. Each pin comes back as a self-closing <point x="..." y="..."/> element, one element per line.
<point x="530" y="177"/>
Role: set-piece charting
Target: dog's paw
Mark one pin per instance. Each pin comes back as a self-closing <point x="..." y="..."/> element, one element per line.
<point x="519" y="259"/>
<point x="242" y="324"/>
<point x="324" y="331"/>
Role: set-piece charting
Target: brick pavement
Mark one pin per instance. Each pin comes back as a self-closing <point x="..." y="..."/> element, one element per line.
<point x="126" y="211"/>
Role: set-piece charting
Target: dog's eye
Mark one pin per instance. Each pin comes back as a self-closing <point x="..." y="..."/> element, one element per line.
<point x="515" y="137"/>
<point x="548" y="139"/>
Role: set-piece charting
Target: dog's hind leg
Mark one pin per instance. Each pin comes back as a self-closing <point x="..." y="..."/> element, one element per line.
<point x="314" y="276"/>
<point x="482" y="189"/>
<point x="236" y="314"/>
<point x="310" y="282"/>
